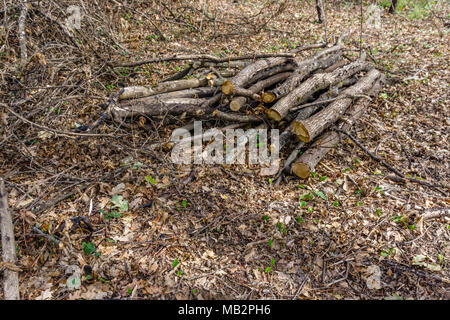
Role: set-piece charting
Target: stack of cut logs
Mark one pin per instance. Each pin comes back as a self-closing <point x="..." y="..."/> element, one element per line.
<point x="305" y="98"/>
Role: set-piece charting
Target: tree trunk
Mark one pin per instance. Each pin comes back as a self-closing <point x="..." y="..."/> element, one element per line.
<point x="320" y="11"/>
<point x="393" y="6"/>
<point x="10" y="277"/>
<point x="315" y="83"/>
<point x="307" y="162"/>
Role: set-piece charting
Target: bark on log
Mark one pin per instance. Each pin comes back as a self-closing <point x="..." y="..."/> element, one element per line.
<point x="155" y="107"/>
<point x="305" y="113"/>
<point x="136" y="92"/>
<point x="320" y="11"/>
<point x="323" y="59"/>
<point x="237" y="102"/>
<point x="228" y="88"/>
<point x="307" y="162"/>
<point x="10" y="277"/>
<point x="271" y="72"/>
<point x="236" y="117"/>
<point x="243" y="77"/>
<point x="317" y="82"/>
<point x="307" y="130"/>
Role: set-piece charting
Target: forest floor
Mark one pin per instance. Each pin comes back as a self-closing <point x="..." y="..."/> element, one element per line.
<point x="228" y="233"/>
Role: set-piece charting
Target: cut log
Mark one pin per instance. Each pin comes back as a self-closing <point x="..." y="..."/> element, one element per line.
<point x="307" y="162"/>
<point x="317" y="82"/>
<point x="237" y="103"/>
<point x="10" y="277"/>
<point x="286" y="67"/>
<point x="228" y="88"/>
<point x="307" y="130"/>
<point x="323" y="59"/>
<point x="135" y="92"/>
<point x="246" y="74"/>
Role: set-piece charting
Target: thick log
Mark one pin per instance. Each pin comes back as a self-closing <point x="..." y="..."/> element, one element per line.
<point x="307" y="130"/>
<point x="323" y="59"/>
<point x="135" y="92"/>
<point x="307" y="162"/>
<point x="271" y="72"/>
<point x="246" y="74"/>
<point x="237" y="102"/>
<point x="315" y="83"/>
<point x="10" y="277"/>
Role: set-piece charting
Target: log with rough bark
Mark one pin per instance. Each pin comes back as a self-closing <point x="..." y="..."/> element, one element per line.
<point x="323" y="59"/>
<point x="160" y="107"/>
<point x="228" y="88"/>
<point x="238" y="102"/>
<point x="136" y="92"/>
<point x="242" y="78"/>
<point x="10" y="277"/>
<point x="306" y="130"/>
<point x="286" y="67"/>
<point x="315" y="83"/>
<point x="307" y="162"/>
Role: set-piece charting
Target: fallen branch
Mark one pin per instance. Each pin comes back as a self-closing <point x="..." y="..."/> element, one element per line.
<point x="391" y="168"/>
<point x="203" y="57"/>
<point x="136" y="92"/>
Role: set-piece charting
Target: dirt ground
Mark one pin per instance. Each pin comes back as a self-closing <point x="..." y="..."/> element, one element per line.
<point x="229" y="233"/>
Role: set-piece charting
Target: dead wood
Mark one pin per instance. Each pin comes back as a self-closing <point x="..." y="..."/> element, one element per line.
<point x="317" y="82"/>
<point x="10" y="277"/>
<point x="228" y="89"/>
<point x="237" y="103"/>
<point x="160" y="107"/>
<point x="323" y="59"/>
<point x="243" y="77"/>
<point x="320" y="11"/>
<point x="204" y="57"/>
<point x="136" y="92"/>
<point x="306" y="130"/>
<point x="306" y="163"/>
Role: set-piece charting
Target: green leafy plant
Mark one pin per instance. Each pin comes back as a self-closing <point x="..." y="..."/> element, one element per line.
<point x="119" y="202"/>
<point x="150" y="180"/>
<point x="88" y="248"/>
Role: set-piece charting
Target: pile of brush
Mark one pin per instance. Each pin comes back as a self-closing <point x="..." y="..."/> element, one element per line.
<point x="307" y="99"/>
